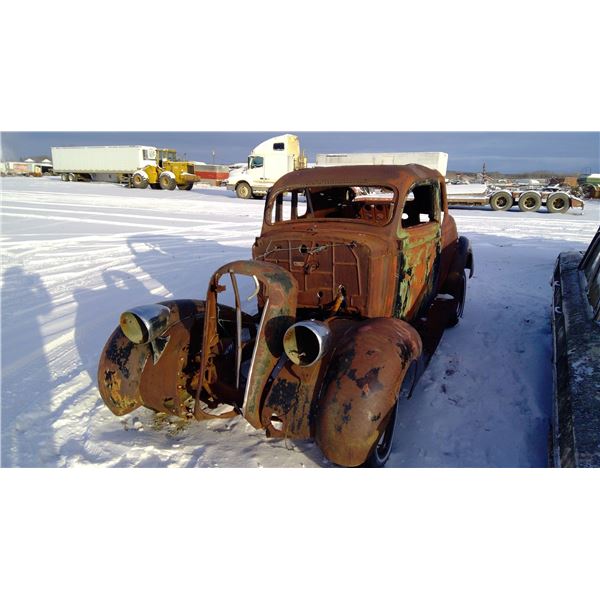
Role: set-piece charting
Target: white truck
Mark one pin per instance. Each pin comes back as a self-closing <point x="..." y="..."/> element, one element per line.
<point x="269" y="161"/>
<point x="101" y="163"/>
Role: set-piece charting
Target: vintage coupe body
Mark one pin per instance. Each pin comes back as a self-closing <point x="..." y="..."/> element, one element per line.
<point x="354" y="277"/>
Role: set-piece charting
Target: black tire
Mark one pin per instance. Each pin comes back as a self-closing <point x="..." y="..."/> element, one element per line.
<point x="186" y="187"/>
<point x="155" y="186"/>
<point x="72" y="177"/>
<point x="243" y="191"/>
<point x="530" y="202"/>
<point x="460" y="305"/>
<point x="501" y="201"/>
<point x="383" y="448"/>
<point x="558" y="202"/>
<point x="167" y="181"/>
<point x="139" y="182"/>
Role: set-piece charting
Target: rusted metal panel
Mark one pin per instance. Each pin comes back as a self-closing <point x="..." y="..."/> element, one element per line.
<point x="362" y="385"/>
<point x="128" y="377"/>
<point x="278" y="296"/>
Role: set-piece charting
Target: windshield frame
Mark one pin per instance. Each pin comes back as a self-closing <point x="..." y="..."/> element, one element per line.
<point x="270" y="206"/>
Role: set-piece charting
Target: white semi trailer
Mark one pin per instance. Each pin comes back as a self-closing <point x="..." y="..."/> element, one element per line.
<point x="433" y="160"/>
<point x="101" y="163"/>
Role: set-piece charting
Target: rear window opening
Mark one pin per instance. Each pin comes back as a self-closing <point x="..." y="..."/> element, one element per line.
<point x="374" y="205"/>
<point x="422" y="205"/>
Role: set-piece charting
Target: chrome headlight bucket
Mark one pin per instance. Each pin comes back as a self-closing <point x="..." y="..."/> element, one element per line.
<point x="305" y="342"/>
<point x="144" y="324"/>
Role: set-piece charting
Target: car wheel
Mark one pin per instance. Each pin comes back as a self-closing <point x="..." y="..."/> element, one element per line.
<point x="460" y="304"/>
<point x="383" y="448"/>
<point x="243" y="191"/>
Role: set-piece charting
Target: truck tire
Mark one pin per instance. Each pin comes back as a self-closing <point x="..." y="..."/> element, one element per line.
<point x="167" y="181"/>
<point x="530" y="202"/>
<point x="185" y="186"/>
<point x="383" y="448"/>
<point x="501" y="201"/>
<point x="558" y="202"/>
<point x="139" y="181"/>
<point x="72" y="177"/>
<point x="243" y="190"/>
<point x="64" y="177"/>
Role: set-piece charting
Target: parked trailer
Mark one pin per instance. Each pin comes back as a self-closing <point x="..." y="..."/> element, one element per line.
<point x="211" y="174"/>
<point x="461" y="194"/>
<point x="432" y="160"/>
<point x="136" y="166"/>
<point x="555" y="200"/>
<point x="25" y="169"/>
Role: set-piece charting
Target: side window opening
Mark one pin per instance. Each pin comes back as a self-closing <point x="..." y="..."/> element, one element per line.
<point x="279" y="146"/>
<point x="422" y="205"/>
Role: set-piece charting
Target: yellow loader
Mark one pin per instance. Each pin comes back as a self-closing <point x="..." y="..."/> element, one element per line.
<point x="166" y="174"/>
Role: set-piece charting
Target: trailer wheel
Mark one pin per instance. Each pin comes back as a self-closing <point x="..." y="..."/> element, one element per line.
<point x="167" y="181"/>
<point x="139" y="181"/>
<point x="501" y="201"/>
<point x="243" y="190"/>
<point x="64" y="177"/>
<point x="185" y="186"/>
<point x="558" y="202"/>
<point x="383" y="448"/>
<point x="72" y="177"/>
<point x="530" y="202"/>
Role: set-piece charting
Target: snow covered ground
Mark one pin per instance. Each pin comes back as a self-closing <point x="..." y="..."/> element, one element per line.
<point x="74" y="255"/>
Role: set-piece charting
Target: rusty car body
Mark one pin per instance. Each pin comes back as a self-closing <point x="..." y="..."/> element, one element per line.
<point x="355" y="275"/>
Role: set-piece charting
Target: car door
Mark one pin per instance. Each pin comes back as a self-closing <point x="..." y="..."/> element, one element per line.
<point x="419" y="250"/>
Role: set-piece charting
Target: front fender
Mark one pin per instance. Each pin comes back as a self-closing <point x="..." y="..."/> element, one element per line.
<point x="128" y="377"/>
<point x="361" y="388"/>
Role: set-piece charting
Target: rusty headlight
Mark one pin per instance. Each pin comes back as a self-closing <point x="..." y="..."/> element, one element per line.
<point x="145" y="323"/>
<point x="305" y="342"/>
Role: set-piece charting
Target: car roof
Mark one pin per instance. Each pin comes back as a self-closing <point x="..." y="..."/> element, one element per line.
<point x="394" y="176"/>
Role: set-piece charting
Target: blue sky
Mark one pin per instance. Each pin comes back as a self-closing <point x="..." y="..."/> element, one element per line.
<point x="509" y="152"/>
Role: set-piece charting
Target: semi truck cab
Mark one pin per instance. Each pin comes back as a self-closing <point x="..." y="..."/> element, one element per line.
<point x="269" y="161"/>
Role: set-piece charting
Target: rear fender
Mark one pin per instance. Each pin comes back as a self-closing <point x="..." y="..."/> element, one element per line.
<point x="463" y="260"/>
<point x="361" y="387"/>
